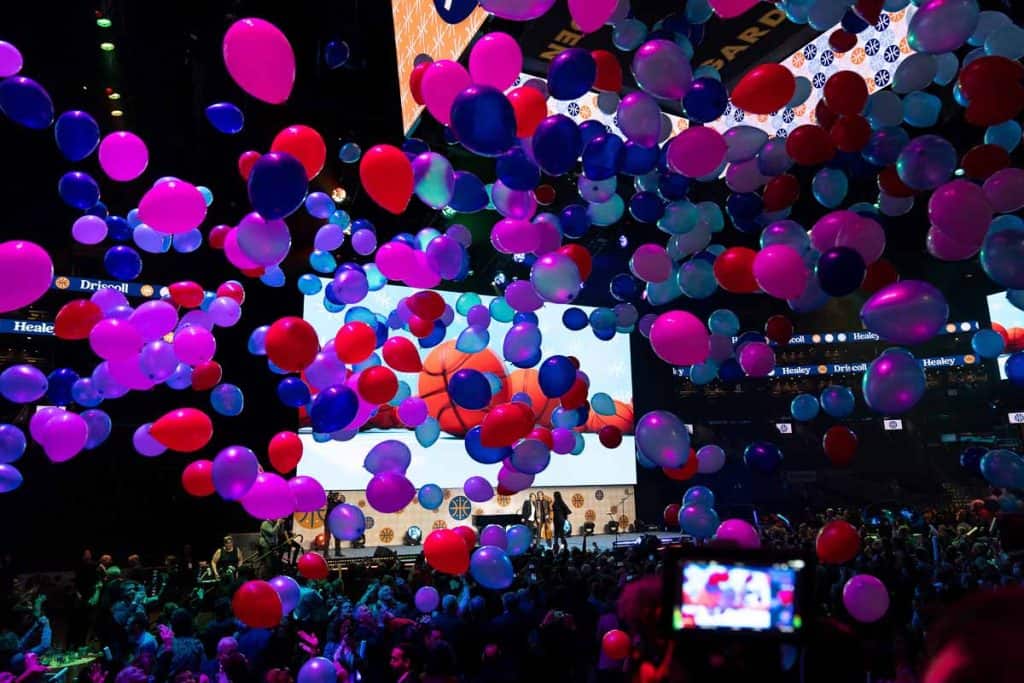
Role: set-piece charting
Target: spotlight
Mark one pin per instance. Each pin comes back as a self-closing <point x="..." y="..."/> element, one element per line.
<point x="612" y="527"/>
<point x="338" y="194"/>
<point x="117" y="113"/>
<point x="107" y="47"/>
<point x="413" y="536"/>
<point x="115" y="96"/>
<point x="103" y="22"/>
<point x="588" y="529"/>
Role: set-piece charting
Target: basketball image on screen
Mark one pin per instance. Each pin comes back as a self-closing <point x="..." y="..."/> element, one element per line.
<point x="1008" y="321"/>
<point x="738" y="597"/>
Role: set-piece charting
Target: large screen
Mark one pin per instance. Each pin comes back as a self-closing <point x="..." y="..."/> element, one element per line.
<point x="339" y="465"/>
<point x="1008" y="320"/>
<point x="720" y="596"/>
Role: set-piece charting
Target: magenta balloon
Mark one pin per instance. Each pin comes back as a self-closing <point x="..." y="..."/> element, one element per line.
<point x="412" y="411"/>
<point x="780" y="271"/>
<point x="739" y="533"/>
<point x="549" y="236"/>
<point x="111" y="338"/>
<point x="865" y="236"/>
<point x="563" y="440"/>
<point x="395" y="260"/>
<point x="154" y="319"/>
<point x="493" y="534"/>
<point x="727" y="9"/>
<point x="123" y="156"/>
<point x="515" y="236"/>
<point x="27" y="272"/>
<point x="389" y="492"/>
<point x="522" y="297"/>
<point x="697" y="151"/>
<point x="906" y="312"/>
<point x="269" y="497"/>
<point x="496" y="60"/>
<point x="513" y="203"/>
<point x="442" y="81"/>
<point x="145" y="445"/>
<point x="1004" y="190"/>
<point x="422" y="275"/>
<point x="11" y="60"/>
<point x="263" y="242"/>
<point x="128" y="372"/>
<point x="235" y="255"/>
<point x="757" y="359"/>
<point x="260" y="59"/>
<point x="826" y="231"/>
<point x="194" y="345"/>
<point x="944" y="248"/>
<point x="478" y="489"/>
<point x="639" y="118"/>
<point x="865" y="598"/>
<point x="651" y="263"/>
<point x="172" y="207"/>
<point x="64" y="436"/>
<point x="517" y="10"/>
<point x="39" y="420"/>
<point x="309" y="495"/>
<point x="680" y="338"/>
<point x="590" y="15"/>
<point x="961" y="211"/>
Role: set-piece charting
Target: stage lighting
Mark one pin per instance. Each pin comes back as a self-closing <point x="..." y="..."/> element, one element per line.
<point x="588" y="529"/>
<point x="413" y="536"/>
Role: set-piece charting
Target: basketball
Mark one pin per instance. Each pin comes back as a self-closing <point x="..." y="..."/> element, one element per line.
<point x="527" y="382"/>
<point x="623" y="419"/>
<point x="438" y="368"/>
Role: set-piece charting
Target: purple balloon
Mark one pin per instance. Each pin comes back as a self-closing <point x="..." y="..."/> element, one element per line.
<point x="317" y="670"/>
<point x="388" y="456"/>
<point x="23" y="383"/>
<point x="757" y="359"/>
<point x="906" y="312"/>
<point x="639" y="118"/>
<point x="412" y="411"/>
<point x="445" y="256"/>
<point x="265" y="242"/>
<point x="364" y="241"/>
<point x="389" y="492"/>
<point x="530" y="456"/>
<point x="346" y="522"/>
<point x="64" y="435"/>
<point x="563" y="440"/>
<point x="108" y="298"/>
<point x="288" y="590"/>
<point x="234" y="472"/>
<point x="427" y="599"/>
<point x="478" y="489"/>
<point x="309" y="495"/>
<point x="894" y="382"/>
<point x="514" y="480"/>
<point x="494" y="535"/>
<point x="89" y="229"/>
<point x="99" y="426"/>
<point x="522" y="297"/>
<point x="269" y="497"/>
<point x="154" y="319"/>
<point x="145" y="444"/>
<point x="865" y="598"/>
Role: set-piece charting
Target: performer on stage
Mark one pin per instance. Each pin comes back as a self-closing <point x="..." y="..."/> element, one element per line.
<point x="543" y="517"/>
<point x="560" y="514"/>
<point x="270" y="538"/>
<point x="226" y="559"/>
<point x="334" y="499"/>
<point x="527" y="512"/>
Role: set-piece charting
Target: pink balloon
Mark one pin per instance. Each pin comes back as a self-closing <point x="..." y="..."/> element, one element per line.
<point x="549" y="236"/>
<point x="395" y="260"/>
<point x="39" y="420"/>
<point x="496" y="60"/>
<point x="173" y="207"/>
<point x="64" y="436"/>
<point x="111" y="339"/>
<point x="943" y="248"/>
<point x="864" y="236"/>
<point x="269" y="497"/>
<point x="960" y="210"/>
<point x="651" y="263"/>
<point x="260" y="59"/>
<point x="757" y="359"/>
<point x="422" y="275"/>
<point x="442" y="81"/>
<point x="515" y="236"/>
<point x="27" y="274"/>
<point x="780" y="271"/>
<point x="740" y="533"/>
<point x="308" y="493"/>
<point x="727" y="9"/>
<point x="123" y="156"/>
<point x="1005" y="190"/>
<point x="680" y="338"/>
<point x="697" y="151"/>
<point x="517" y="10"/>
<point x="590" y="15"/>
<point x="128" y="372"/>
<point x="826" y="231"/>
<point x="194" y="345"/>
<point x="261" y="241"/>
<point x="865" y="598"/>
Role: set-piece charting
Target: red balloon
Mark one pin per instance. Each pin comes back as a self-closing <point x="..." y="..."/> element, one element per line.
<point x="780" y="192"/>
<point x="186" y="430"/>
<point x="764" y="89"/>
<point x="232" y="290"/>
<point x="779" y="329"/>
<point x="842" y="40"/>
<point x="869" y="10"/>
<point x="257" y="605"/>
<point x="993" y="89"/>
<point x="467" y="534"/>
<point x="305" y="144"/>
<point x="545" y="195"/>
<point x="580" y="256"/>
<point x="846" y="92"/>
<point x="76" y="318"/>
<point x="377" y="385"/>
<point x="386" y="174"/>
<point x="610" y="436"/>
<point x="206" y="375"/>
<point x="671" y="514"/>
<point x="446" y="551"/>
<point x="880" y="274"/>
<point x="981" y="161"/>
<point x="401" y="354"/>
<point x="542" y="434"/>
<point x="687" y="471"/>
<point x="850" y="133"/>
<point x="197" y="478"/>
<point x="355" y="342"/>
<point x="840" y="445"/>
<point x="576" y="396"/>
<point x="824" y="116"/>
<point x="186" y="294"/>
<point x="419" y="327"/>
<point x="530" y="108"/>
<point x="416" y="81"/>
<point x="427" y="304"/>
<point x="615" y="643"/>
<point x="285" y="451"/>
<point x="291" y="343"/>
<point x="245" y="163"/>
<point x="505" y="424"/>
<point x="219" y="235"/>
<point x="890" y="183"/>
<point x="810" y="145"/>
<point x="313" y="566"/>
<point x="1001" y="331"/>
<point x="609" y="71"/>
<point x="502" y="491"/>
<point x="837" y="542"/>
<point x="734" y="270"/>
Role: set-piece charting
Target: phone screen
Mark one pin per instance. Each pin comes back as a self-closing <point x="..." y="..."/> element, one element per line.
<point x="739" y="597"/>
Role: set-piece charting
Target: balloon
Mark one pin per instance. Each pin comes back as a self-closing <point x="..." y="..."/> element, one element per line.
<point x="492" y="568"/>
<point x="662" y="438"/>
<point x="493" y="534"/>
<point x="764" y="89"/>
<point x="10" y="478"/>
<point x="401" y="354"/>
<point x="12" y="443"/>
<point x="99" y="425"/>
<point x="197" y="478"/>
<point x="840" y="445"/>
<point x="838" y="542"/>
<point x="705" y="100"/>
<point x="505" y="424"/>
<point x="907" y="312"/>
<point x="698" y="521"/>
<point x="430" y="496"/>
<point x="864" y="596"/>
<point x="762" y="457"/>
<point x="313" y="566"/>
<point x="739" y="533"/>
<point x="679" y="338"/>
<point x="483" y="120"/>
<point x="333" y="409"/>
<point x="469" y="389"/>
<point x="837" y="401"/>
<point x="426" y="599"/>
<point x="346" y="522"/>
<point x="710" y="459"/>
<point x="257" y="605"/>
<point x="234" y="472"/>
<point x="260" y="59"/>
<point x="846" y="93"/>
<point x="700" y="496"/>
<point x="445" y="551"/>
<point x="172" y="207"/>
<point x="616" y="644"/>
<point x="26" y="102"/>
<point x="277" y="185"/>
<point x="894" y="382"/>
<point x="291" y="344"/>
<point x="639" y="118"/>
<point x="269" y="497"/>
<point x="1000" y="257"/>
<point x="697" y="151"/>
<point x="288" y="591"/>
<point x="1002" y="468"/>
<point x="77" y="135"/>
<point x="557" y="144"/>
<point x="530" y="109"/>
<point x="304" y="144"/>
<point x="63" y="436"/>
<point x="662" y="69"/>
<point x="926" y="162"/>
<point x="1003" y="190"/>
<point x="123" y="156"/>
<point x="23" y="384"/>
<point x="518" y="538"/>
<point x="28" y="270"/>
<point x="757" y="359"/>
<point x="780" y="271"/>
<point x="571" y="74"/>
<point x="389" y="492"/>
<point x="804" y="407"/>
<point x="556" y="278"/>
<point x="942" y="26"/>
<point x="495" y="60"/>
<point x="386" y="174"/>
<point x="840" y="271"/>
<point x="225" y="117"/>
<point x="988" y="343"/>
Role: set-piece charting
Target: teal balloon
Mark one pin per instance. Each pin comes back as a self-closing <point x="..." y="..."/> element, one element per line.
<point x="434" y="179"/>
<point x="309" y="284"/>
<point x="704" y="373"/>
<point x="916" y="72"/>
<point x="473" y="340"/>
<point x="602" y="404"/>
<point x="804" y="407"/>
<point x="500" y="310"/>
<point x="947" y="68"/>
<point x="696" y="279"/>
<point x="884" y="109"/>
<point x="430" y="496"/>
<point x="1006" y="41"/>
<point x="607" y="213"/>
<point x="988" y="343"/>
<point x="680" y="217"/>
<point x="837" y="401"/>
<point x="427" y="432"/>
<point x="921" y="109"/>
<point x="723" y="321"/>
<point x="227" y="399"/>
<point x="1007" y="135"/>
<point x="829" y="187"/>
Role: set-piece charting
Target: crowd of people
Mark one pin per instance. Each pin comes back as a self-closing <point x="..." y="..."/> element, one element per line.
<point x="175" y="622"/>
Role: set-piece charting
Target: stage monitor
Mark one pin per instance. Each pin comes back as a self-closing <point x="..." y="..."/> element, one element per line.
<point x="339" y="465"/>
<point x="1008" y="320"/>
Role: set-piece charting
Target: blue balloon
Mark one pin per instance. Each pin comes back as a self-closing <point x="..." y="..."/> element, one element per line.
<point x="705" y="100"/>
<point x="971" y="457"/>
<point x="921" y="109"/>
<point x="469" y="194"/>
<point x="430" y="496"/>
<point x="696" y="279"/>
<point x="571" y="74"/>
<point x="227" y="399"/>
<point x="99" y="425"/>
<point x="575" y="319"/>
<point x="336" y="53"/>
<point x="637" y="159"/>
<point x="454" y="11"/>
<point x="517" y="171"/>
<point x="557" y="144"/>
<point x="118" y="229"/>
<point x="698" y="521"/>
<point x="59" y="385"/>
<point x="78" y="190"/>
<point x="575" y="220"/>
<point x="837" y="401"/>
<point x="602" y="157"/>
<point x="1006" y="135"/>
<point x="762" y="456"/>
<point x="225" y="117"/>
<point x="556" y="376"/>
<point x="333" y="409"/>
<point x="10" y="478"/>
<point x="77" y="135"/>
<point x="700" y="496"/>
<point x="293" y="392"/>
<point x="1015" y="368"/>
<point x="469" y="389"/>
<point x="1003" y="468"/>
<point x="12" y="443"/>
<point x="840" y="271"/>
<point x="723" y="321"/>
<point x="483" y="120"/>
<point x="590" y="129"/>
<point x="26" y="102"/>
<point x="988" y="343"/>
<point x="492" y="568"/>
<point x="518" y="539"/>
<point x="123" y="263"/>
<point x="646" y="207"/>
<point x="277" y="185"/>
<point x="482" y="454"/>
<point x="804" y="407"/>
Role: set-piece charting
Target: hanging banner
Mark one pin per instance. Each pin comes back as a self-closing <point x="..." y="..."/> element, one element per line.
<point x="85" y="284"/>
